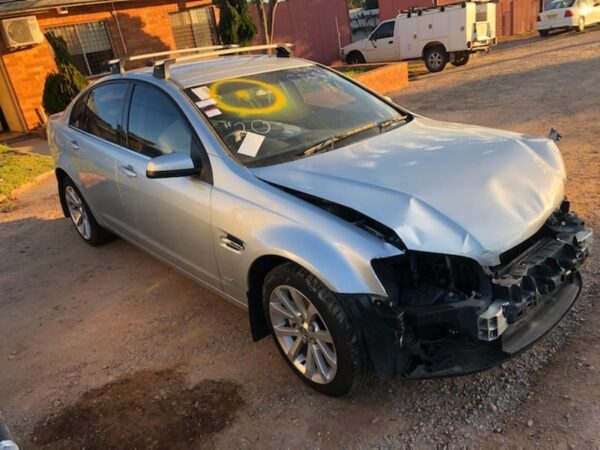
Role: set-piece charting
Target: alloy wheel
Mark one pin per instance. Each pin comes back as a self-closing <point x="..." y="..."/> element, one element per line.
<point x="302" y="334"/>
<point x="78" y="213"/>
<point x="435" y="59"/>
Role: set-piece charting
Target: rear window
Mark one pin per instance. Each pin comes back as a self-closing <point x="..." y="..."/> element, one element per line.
<point x="558" y="4"/>
<point x="103" y="111"/>
<point x="76" y="119"/>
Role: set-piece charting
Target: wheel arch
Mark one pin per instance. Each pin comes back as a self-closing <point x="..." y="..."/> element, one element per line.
<point x="356" y="52"/>
<point x="339" y="272"/>
<point x="256" y="278"/>
<point x="432" y="44"/>
<point x="61" y="175"/>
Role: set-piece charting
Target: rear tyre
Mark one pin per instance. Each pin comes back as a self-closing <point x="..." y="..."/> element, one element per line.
<point x="544" y="33"/>
<point x="81" y="216"/>
<point x="313" y="332"/>
<point x="436" y="58"/>
<point x="581" y="25"/>
<point x="460" y="59"/>
<point x="355" y="58"/>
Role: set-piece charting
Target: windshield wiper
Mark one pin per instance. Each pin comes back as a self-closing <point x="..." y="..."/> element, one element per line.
<point x="330" y="142"/>
<point x="389" y="123"/>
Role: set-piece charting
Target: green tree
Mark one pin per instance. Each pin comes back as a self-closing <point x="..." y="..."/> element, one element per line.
<point x="236" y="25"/>
<point x="61" y="51"/>
<point x="371" y="4"/>
<point x="62" y="86"/>
<point x="366" y="4"/>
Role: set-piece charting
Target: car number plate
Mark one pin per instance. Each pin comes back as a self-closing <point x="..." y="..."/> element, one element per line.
<point x="551" y="16"/>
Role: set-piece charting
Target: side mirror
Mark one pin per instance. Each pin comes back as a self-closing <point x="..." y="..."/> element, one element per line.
<point x="172" y="165"/>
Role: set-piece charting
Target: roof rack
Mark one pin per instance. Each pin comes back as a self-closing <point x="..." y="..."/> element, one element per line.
<point x="161" y="67"/>
<point x="421" y="9"/>
<point x="118" y="65"/>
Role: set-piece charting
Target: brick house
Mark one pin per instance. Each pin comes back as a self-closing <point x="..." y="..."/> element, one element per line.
<point x="98" y="30"/>
<point x="95" y="31"/>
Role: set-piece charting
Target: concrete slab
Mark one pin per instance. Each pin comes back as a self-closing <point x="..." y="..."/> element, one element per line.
<point x="33" y="145"/>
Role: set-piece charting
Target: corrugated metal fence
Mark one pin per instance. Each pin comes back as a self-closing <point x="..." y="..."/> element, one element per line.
<point x="312" y="26"/>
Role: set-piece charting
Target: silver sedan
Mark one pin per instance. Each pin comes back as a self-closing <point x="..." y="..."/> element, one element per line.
<point x="362" y="237"/>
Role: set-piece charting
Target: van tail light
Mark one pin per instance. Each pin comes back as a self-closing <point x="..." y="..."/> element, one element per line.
<point x="469" y="44"/>
<point x="538" y="19"/>
<point x="568" y="13"/>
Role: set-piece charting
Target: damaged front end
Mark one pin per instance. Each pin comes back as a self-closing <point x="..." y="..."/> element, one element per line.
<point x="448" y="315"/>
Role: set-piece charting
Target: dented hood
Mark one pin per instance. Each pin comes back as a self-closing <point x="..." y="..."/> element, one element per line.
<point x="442" y="187"/>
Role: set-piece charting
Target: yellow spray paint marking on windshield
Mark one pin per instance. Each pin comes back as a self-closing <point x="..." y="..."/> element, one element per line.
<point x="241" y="94"/>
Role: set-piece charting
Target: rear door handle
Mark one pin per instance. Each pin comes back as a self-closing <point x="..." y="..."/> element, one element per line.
<point x="128" y="170"/>
<point x="74" y="144"/>
<point x="390" y="42"/>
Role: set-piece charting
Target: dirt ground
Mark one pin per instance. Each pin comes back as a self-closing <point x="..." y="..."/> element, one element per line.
<point x="108" y="348"/>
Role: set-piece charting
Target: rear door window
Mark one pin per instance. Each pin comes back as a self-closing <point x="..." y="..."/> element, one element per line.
<point x="103" y="111"/>
<point x="156" y="126"/>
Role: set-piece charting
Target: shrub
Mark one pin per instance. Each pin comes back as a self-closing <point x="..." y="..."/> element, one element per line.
<point x="236" y="25"/>
<point x="61" y="51"/>
<point x="62" y="86"/>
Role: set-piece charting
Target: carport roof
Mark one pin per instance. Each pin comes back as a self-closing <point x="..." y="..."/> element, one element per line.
<point x="16" y="7"/>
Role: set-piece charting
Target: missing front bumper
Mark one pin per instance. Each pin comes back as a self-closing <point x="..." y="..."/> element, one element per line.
<point x="520" y="301"/>
<point x="460" y="355"/>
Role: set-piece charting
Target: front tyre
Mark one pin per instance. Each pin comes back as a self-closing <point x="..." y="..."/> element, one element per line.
<point x="81" y="216"/>
<point x="313" y="332"/>
<point x="436" y="58"/>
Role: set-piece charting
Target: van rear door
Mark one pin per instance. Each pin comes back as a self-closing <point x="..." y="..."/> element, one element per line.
<point x="484" y="27"/>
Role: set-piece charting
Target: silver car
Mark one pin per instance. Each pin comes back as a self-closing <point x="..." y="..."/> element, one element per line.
<point x="362" y="237"/>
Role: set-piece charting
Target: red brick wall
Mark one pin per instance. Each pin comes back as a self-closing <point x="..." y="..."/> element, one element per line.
<point x="387" y="79"/>
<point x="26" y="70"/>
<point x="144" y="25"/>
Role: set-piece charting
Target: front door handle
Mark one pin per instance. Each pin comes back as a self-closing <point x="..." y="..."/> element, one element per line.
<point x="128" y="170"/>
<point x="74" y="144"/>
<point x="232" y="242"/>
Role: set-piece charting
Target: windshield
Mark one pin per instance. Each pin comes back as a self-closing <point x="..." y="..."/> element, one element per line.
<point x="558" y="4"/>
<point x="275" y="117"/>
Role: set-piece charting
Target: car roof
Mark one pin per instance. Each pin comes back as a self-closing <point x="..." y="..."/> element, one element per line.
<point x="196" y="73"/>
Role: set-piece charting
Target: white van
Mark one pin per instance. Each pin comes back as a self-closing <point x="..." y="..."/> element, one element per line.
<point x="438" y="35"/>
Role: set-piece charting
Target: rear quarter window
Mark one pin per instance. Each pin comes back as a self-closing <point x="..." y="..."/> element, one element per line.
<point x="76" y="118"/>
<point x="104" y="106"/>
